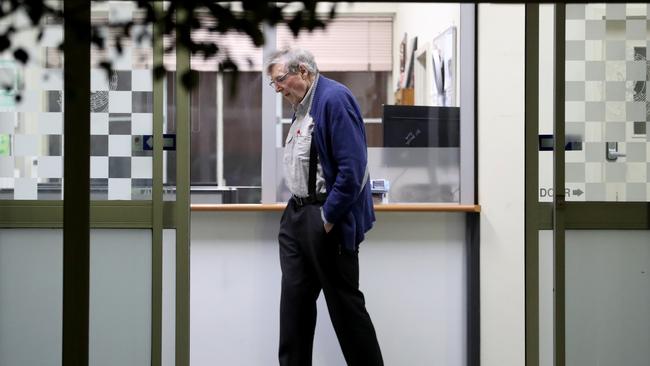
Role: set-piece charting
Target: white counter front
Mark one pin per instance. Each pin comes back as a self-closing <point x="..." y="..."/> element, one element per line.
<point x="412" y="272"/>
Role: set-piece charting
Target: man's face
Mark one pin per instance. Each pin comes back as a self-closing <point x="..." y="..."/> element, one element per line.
<point x="292" y="85"/>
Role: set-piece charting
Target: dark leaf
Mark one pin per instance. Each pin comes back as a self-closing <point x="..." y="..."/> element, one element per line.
<point x="190" y="79"/>
<point x="107" y="66"/>
<point x="118" y="45"/>
<point x="275" y="15"/>
<point x="295" y="24"/>
<point x="4" y="42"/>
<point x="159" y="72"/>
<point x="170" y="48"/>
<point x="144" y="34"/>
<point x="21" y="56"/>
<point x="35" y="10"/>
<point x="332" y="13"/>
<point x="127" y="28"/>
<point x="233" y="85"/>
<point x="150" y="12"/>
<point x="96" y="38"/>
<point x="228" y="65"/>
<point x="194" y="23"/>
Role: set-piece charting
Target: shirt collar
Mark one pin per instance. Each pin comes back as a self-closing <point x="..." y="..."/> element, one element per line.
<point x="302" y="109"/>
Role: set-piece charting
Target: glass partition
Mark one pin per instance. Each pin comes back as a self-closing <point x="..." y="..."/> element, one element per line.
<point x="121" y="105"/>
<point x="31" y="296"/>
<point x="120" y="297"/>
<point x="226" y="115"/>
<point x="31" y="112"/>
<point x="606" y="106"/>
<point x="360" y="49"/>
<point x="414" y="150"/>
<point x="606" y="111"/>
<point x="607" y="297"/>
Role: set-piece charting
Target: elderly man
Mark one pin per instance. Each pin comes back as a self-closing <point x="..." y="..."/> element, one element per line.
<point x="325" y="163"/>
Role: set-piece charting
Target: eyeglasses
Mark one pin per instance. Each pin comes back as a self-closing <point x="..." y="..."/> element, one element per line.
<point x="279" y="79"/>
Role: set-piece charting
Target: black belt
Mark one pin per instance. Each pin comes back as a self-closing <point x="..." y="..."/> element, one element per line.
<point x="309" y="200"/>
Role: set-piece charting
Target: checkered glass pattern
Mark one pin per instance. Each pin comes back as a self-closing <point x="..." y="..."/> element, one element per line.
<point x="31" y="126"/>
<point x="121" y="111"/>
<point x="31" y="118"/>
<point x="606" y="76"/>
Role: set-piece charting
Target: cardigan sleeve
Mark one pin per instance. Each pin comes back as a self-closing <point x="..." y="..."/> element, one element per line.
<point x="346" y="138"/>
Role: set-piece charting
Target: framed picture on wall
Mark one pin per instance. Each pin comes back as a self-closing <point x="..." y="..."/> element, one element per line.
<point x="444" y="68"/>
<point x="410" y="71"/>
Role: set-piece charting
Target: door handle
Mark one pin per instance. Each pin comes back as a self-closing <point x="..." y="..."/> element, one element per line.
<point x="611" y="151"/>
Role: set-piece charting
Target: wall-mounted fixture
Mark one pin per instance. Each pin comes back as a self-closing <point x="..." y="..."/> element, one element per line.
<point x="572" y="143"/>
<point x="611" y="151"/>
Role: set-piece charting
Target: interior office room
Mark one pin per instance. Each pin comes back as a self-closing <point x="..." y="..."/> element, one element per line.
<point x="512" y="215"/>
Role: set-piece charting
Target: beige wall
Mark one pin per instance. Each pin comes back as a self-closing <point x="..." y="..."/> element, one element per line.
<point x="501" y="182"/>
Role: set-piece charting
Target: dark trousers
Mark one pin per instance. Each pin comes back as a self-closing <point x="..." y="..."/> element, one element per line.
<point x="312" y="260"/>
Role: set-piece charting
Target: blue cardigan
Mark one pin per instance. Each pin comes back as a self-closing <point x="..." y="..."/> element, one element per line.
<point x="342" y="149"/>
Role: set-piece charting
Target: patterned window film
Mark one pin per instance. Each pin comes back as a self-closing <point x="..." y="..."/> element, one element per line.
<point x="121" y="107"/>
<point x="606" y="104"/>
<point x="31" y="114"/>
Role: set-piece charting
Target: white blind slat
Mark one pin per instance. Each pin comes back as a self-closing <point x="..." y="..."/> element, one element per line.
<point x="346" y="44"/>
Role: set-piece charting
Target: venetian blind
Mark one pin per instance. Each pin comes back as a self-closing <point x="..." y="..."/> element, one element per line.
<point x="347" y="44"/>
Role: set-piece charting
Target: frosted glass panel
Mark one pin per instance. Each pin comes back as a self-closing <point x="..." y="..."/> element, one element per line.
<point x="607" y="297"/>
<point x="31" y="296"/>
<point x="414" y="174"/>
<point x="31" y="283"/>
<point x="120" y="297"/>
<point x="546" y="324"/>
<point x="169" y="298"/>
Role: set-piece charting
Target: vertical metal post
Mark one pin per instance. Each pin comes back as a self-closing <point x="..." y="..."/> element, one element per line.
<point x="76" y="168"/>
<point x="269" y="121"/>
<point x="467" y="102"/>
<point x="558" y="187"/>
<point x="182" y="197"/>
<point x="473" y="255"/>
<point x="220" y="179"/>
<point x="157" y="196"/>
<point x="531" y="168"/>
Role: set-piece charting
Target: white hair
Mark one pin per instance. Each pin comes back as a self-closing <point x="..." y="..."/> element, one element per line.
<point x="292" y="58"/>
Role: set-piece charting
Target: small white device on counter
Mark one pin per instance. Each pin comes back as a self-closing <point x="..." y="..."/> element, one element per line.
<point x="379" y="189"/>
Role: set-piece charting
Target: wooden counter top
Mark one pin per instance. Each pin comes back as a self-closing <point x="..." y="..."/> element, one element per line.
<point x="392" y="207"/>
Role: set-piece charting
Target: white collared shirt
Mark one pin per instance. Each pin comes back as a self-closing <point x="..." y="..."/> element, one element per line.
<point x="297" y="146"/>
